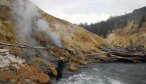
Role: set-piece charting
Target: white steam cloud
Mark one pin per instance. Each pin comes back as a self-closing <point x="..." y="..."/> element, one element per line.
<point x="28" y="19"/>
<point x="43" y="26"/>
<point x="24" y="12"/>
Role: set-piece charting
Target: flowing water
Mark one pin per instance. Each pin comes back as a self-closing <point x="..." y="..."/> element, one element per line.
<point x="107" y="73"/>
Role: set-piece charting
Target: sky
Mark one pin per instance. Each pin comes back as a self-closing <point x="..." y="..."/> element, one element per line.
<point x="90" y="11"/>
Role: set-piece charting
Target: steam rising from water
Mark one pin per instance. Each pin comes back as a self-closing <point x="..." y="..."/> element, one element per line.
<point x="27" y="20"/>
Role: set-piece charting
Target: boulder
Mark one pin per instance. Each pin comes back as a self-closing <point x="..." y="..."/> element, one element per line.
<point x="52" y="67"/>
<point x="72" y="67"/>
<point x="7" y="60"/>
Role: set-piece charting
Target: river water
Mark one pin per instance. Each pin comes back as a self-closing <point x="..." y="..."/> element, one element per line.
<point x="107" y="73"/>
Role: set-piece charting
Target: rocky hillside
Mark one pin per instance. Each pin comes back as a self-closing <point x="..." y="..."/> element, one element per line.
<point x="41" y="39"/>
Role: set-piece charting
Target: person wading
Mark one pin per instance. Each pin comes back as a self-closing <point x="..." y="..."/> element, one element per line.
<point x="60" y="65"/>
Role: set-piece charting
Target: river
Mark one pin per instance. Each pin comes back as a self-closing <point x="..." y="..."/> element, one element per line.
<point x="107" y="73"/>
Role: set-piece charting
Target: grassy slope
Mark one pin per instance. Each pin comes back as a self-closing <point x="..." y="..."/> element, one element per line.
<point x="76" y="40"/>
<point x="7" y="28"/>
<point x="72" y="36"/>
<point x="130" y="34"/>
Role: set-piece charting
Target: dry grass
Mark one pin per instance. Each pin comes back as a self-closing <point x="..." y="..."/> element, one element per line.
<point x="7" y="29"/>
<point x="7" y="32"/>
<point x="74" y="37"/>
<point x="5" y="13"/>
<point x="131" y="33"/>
<point x="30" y="72"/>
<point x="33" y="73"/>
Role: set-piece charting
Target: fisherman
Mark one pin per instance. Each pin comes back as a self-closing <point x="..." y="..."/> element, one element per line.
<point x="60" y="64"/>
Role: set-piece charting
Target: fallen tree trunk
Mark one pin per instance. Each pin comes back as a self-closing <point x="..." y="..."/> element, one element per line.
<point x="102" y="53"/>
<point x="128" y="54"/>
<point x="23" y="46"/>
<point x="119" y="53"/>
<point x="115" y="57"/>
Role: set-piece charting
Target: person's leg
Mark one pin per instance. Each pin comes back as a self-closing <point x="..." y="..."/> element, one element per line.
<point x="59" y="74"/>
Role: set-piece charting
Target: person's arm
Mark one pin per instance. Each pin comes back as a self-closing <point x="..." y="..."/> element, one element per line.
<point x="65" y="63"/>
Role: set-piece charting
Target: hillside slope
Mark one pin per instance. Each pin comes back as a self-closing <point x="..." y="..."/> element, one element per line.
<point x="40" y="39"/>
<point x="133" y="33"/>
<point x="103" y="28"/>
<point x="23" y="23"/>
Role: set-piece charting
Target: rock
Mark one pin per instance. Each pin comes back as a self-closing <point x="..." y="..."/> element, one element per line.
<point x="72" y="67"/>
<point x="4" y="63"/>
<point x="103" y="57"/>
<point x="52" y="67"/>
<point x="4" y="51"/>
<point x="7" y="60"/>
<point x="14" y="70"/>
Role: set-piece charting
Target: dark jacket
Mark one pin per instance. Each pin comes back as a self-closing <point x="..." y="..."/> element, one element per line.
<point x="60" y="65"/>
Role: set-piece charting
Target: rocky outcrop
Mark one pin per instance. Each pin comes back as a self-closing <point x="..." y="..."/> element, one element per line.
<point x="14" y="70"/>
<point x="8" y="61"/>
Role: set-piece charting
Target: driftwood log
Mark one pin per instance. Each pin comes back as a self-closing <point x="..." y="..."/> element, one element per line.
<point x="128" y="54"/>
<point x="23" y="46"/>
<point x="120" y="54"/>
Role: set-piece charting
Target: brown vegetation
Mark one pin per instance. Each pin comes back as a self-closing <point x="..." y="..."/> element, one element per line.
<point x="30" y="74"/>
